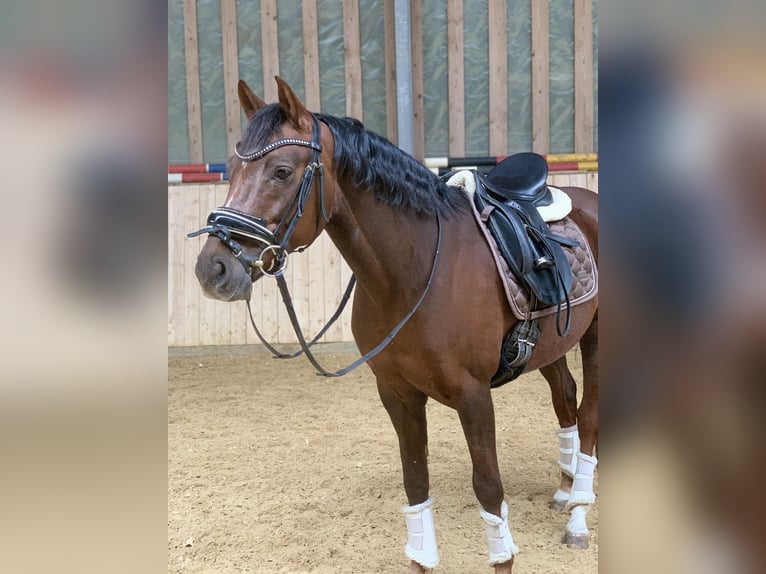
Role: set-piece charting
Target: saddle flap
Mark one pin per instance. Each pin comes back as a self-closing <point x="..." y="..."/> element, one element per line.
<point x="523" y="240"/>
<point x="522" y="177"/>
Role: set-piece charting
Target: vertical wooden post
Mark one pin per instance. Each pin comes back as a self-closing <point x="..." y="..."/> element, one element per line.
<point x="418" y="113"/>
<point x="193" y="106"/>
<point x="230" y="73"/>
<point x="352" y="54"/>
<point x="541" y="137"/>
<point x="498" y="77"/>
<point x="311" y="55"/>
<point x="455" y="78"/>
<point x="269" y="49"/>
<point x="583" y="75"/>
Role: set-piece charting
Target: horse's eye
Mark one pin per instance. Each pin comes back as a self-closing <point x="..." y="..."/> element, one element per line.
<point x="282" y="174"/>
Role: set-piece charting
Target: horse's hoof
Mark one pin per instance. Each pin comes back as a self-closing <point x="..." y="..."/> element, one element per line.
<point x="416" y="568"/>
<point x="579" y="541"/>
<point x="557" y="505"/>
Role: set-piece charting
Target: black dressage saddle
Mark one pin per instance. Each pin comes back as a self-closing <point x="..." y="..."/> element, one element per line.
<point x="522" y="177"/>
<point x="507" y="200"/>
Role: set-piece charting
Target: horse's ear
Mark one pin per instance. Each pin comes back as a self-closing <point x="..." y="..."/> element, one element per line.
<point x="248" y="100"/>
<point x="292" y="106"/>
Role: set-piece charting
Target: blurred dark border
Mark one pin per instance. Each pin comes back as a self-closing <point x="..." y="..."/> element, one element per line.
<point x="83" y="364"/>
<point x="682" y="137"/>
<point x="683" y="318"/>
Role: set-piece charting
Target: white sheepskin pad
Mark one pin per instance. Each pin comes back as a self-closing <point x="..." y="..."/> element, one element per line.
<point x="559" y="209"/>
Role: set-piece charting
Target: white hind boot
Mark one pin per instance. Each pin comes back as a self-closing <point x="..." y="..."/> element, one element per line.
<point x="569" y="444"/>
<point x="580" y="501"/>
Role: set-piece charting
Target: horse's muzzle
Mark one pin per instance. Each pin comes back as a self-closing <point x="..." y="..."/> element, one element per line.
<point x="221" y="275"/>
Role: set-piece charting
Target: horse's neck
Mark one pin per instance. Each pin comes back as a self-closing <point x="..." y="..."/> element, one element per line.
<point x="390" y="252"/>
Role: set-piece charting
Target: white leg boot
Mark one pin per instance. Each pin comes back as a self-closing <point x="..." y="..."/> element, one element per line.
<point x="580" y="501"/>
<point x="421" y="534"/>
<point x="569" y="444"/>
<point x="499" y="539"/>
<point x="582" y="489"/>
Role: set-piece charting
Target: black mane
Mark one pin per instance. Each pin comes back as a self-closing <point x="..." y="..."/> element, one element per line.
<point x="369" y="162"/>
<point x="397" y="179"/>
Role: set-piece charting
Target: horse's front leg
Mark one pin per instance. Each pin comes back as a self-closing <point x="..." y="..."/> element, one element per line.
<point x="477" y="416"/>
<point x="407" y="408"/>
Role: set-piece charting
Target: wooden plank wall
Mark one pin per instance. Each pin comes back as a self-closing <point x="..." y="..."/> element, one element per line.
<point x="317" y="278"/>
<point x="498" y="70"/>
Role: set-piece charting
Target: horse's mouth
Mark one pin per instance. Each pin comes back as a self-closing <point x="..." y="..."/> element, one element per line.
<point x="230" y="291"/>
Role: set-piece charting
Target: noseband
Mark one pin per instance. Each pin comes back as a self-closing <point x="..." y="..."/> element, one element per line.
<point x="226" y="223"/>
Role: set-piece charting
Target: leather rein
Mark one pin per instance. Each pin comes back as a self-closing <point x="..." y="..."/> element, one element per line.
<point x="226" y="223"/>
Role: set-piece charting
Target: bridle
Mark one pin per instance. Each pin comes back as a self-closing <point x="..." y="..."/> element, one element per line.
<point x="226" y="223"/>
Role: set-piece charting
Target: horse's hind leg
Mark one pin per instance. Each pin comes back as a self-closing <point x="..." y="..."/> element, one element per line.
<point x="577" y="436"/>
<point x="587" y="414"/>
<point x="564" y="397"/>
<point x="583" y="495"/>
<point x="478" y="420"/>
<point x="407" y="409"/>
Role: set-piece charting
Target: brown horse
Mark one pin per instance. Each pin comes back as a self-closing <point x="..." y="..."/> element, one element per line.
<point x="407" y="237"/>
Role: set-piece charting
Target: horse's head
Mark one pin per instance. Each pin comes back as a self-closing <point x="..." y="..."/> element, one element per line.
<point x="276" y="202"/>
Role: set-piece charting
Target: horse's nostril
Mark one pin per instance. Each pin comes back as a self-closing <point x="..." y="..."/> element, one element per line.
<point x="219" y="271"/>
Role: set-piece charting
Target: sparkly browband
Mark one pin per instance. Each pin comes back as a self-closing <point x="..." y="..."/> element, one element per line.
<point x="315" y="145"/>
